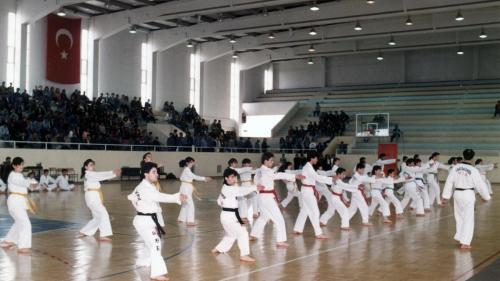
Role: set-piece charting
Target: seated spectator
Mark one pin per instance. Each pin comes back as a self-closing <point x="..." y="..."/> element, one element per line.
<point x="396" y="133"/>
<point x="497" y="109"/>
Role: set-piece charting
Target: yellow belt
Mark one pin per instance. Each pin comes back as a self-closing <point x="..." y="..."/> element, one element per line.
<point x="195" y="191"/>
<point x="31" y="204"/>
<point x="246" y="181"/>
<point x="99" y="191"/>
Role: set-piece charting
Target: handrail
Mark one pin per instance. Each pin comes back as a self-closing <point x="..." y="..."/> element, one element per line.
<point x="136" y="147"/>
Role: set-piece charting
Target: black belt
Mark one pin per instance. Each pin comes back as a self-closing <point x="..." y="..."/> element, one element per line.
<point x="462" y="189"/>
<point x="155" y="219"/>
<point x="236" y="212"/>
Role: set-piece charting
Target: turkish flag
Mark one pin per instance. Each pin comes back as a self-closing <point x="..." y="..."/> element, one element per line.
<point x="63" y="50"/>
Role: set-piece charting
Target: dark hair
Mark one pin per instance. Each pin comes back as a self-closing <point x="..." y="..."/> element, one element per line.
<point x="64" y="170"/>
<point x="229" y="172"/>
<point x="340" y="171"/>
<point x="336" y="159"/>
<point x="148" y="166"/>
<point x="434" y="155"/>
<point x="416" y="156"/>
<point x="405" y="158"/>
<point x="183" y="163"/>
<point x="359" y="166"/>
<point x="17" y="161"/>
<point x="266" y="156"/>
<point x="85" y="164"/>
<point x="417" y="161"/>
<point x="376" y="168"/>
<point x="451" y="160"/>
<point x="31" y="173"/>
<point x="231" y="161"/>
<point x="284" y="166"/>
<point x="478" y="161"/>
<point x="362" y="160"/>
<point x="390" y="171"/>
<point x="381" y="155"/>
<point x="246" y="161"/>
<point x="459" y="159"/>
<point x="145" y="155"/>
<point x="409" y="161"/>
<point x="312" y="154"/>
<point x="468" y="154"/>
<point x="45" y="170"/>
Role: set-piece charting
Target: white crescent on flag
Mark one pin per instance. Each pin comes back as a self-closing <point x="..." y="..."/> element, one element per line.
<point x="64" y="32"/>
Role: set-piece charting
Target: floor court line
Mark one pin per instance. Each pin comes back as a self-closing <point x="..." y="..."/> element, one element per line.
<point x="329" y="250"/>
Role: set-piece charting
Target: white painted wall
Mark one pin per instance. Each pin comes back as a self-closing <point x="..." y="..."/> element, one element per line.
<point x="252" y="83"/>
<point x="6" y="6"/>
<point x="120" y="64"/>
<point x="172" y="76"/>
<point x="426" y="65"/>
<point x="299" y="74"/>
<point x="364" y="69"/>
<point x="216" y="82"/>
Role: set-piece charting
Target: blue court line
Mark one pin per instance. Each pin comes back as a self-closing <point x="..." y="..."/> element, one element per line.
<point x="37" y="224"/>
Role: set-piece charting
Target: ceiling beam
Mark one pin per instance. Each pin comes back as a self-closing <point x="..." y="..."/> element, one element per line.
<point x="118" y="4"/>
<point x="94" y="8"/>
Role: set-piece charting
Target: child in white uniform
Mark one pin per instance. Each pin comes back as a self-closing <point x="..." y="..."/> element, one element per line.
<point x="146" y="199"/>
<point x="483" y="170"/>
<point x="63" y="181"/>
<point x="291" y="186"/>
<point x="94" y="200"/>
<point x="187" y="177"/>
<point x="230" y="219"/>
<point x="47" y="182"/>
<point x="18" y="203"/>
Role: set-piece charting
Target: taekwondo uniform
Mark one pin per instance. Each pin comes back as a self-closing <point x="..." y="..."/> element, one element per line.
<point x="94" y="200"/>
<point x="268" y="203"/>
<point x="146" y="199"/>
<point x="187" y="209"/>
<point x="465" y="180"/>
<point x="230" y="219"/>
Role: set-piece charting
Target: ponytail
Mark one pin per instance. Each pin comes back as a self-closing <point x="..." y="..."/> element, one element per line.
<point x="183" y="163"/>
<point x="85" y="164"/>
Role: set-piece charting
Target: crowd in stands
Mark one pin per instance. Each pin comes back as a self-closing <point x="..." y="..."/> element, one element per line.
<point x="329" y="125"/>
<point x="52" y="115"/>
<point x="204" y="135"/>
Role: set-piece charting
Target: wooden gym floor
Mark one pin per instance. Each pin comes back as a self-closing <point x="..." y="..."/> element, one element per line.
<point x="409" y="249"/>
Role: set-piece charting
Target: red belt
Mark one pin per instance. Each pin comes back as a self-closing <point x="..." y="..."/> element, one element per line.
<point x="341" y="198"/>
<point x="316" y="193"/>
<point x="362" y="190"/>
<point x="272" y="191"/>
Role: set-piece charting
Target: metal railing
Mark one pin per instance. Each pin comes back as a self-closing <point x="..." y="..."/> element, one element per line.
<point x="127" y="147"/>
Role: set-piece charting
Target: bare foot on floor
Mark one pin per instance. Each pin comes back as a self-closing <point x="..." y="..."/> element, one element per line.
<point x="345" y="228"/>
<point x="465" y="247"/>
<point x="321" y="237"/>
<point x="322" y="224"/>
<point x="160" y="278"/>
<point x="191" y="224"/>
<point x="247" y="259"/>
<point x="368" y="224"/>
<point x="297" y="233"/>
<point x="252" y="238"/>
<point x="387" y="221"/>
<point x="215" y="251"/>
<point x="105" y="239"/>
<point x="282" y="245"/>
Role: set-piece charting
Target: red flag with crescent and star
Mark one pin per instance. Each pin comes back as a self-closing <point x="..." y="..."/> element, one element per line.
<point x="63" y="50"/>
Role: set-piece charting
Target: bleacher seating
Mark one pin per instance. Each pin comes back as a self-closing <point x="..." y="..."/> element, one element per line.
<point x="437" y="118"/>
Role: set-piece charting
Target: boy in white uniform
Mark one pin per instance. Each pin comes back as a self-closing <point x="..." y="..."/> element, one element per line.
<point x="47" y="182"/>
<point x="466" y="181"/>
<point x="432" y="178"/>
<point x="310" y="196"/>
<point x="358" y="198"/>
<point x="268" y="200"/>
<point x="146" y="199"/>
<point x="230" y="218"/>
<point x="63" y="183"/>
<point x="245" y="174"/>
<point x="483" y="170"/>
